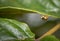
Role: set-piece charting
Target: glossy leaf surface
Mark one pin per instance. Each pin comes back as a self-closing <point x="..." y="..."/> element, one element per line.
<point x="14" y="30"/>
<point x="45" y="7"/>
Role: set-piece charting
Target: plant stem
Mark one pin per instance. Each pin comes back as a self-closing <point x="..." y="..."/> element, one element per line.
<point x="51" y="31"/>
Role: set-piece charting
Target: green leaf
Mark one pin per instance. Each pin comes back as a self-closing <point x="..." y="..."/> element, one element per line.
<point x="13" y="29"/>
<point x="45" y="7"/>
<point x="49" y="38"/>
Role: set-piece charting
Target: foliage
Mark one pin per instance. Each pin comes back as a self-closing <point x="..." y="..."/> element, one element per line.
<point x="45" y="7"/>
<point x="14" y="30"/>
<point x="49" y="38"/>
